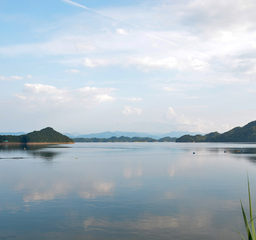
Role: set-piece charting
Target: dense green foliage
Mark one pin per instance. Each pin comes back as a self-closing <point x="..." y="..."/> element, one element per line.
<point x="10" y="138"/>
<point x="167" y="139"/>
<point x="46" y="135"/>
<point x="124" y="139"/>
<point x="238" y="134"/>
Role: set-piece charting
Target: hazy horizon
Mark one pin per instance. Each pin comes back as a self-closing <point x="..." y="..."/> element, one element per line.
<point x="136" y="66"/>
<point x="115" y="133"/>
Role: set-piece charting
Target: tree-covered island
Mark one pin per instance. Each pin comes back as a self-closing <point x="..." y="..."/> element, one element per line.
<point x="46" y="135"/>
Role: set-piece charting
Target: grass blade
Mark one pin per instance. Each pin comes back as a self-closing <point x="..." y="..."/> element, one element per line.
<point x="250" y="209"/>
<point x="247" y="226"/>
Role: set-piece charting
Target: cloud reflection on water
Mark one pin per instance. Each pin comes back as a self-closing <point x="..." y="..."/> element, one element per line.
<point x="179" y="194"/>
<point x="46" y="191"/>
<point x="132" y="172"/>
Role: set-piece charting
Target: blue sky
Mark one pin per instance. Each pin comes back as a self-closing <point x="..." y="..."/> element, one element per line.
<point x="146" y="65"/>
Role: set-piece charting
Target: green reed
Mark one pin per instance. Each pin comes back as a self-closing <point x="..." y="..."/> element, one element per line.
<point x="249" y="222"/>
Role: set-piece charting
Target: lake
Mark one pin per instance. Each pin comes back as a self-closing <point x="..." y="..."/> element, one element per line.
<point x="121" y="191"/>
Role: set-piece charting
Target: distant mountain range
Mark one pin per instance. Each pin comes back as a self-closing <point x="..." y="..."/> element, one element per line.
<point x="46" y="135"/>
<point x="125" y="139"/>
<point x="246" y="133"/>
<point x="118" y="134"/>
<point x="12" y="133"/>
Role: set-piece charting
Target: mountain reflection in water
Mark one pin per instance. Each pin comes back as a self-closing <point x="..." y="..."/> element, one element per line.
<point x="47" y="152"/>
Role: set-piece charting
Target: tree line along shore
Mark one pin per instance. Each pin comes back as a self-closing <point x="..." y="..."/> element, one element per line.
<point x="47" y="135"/>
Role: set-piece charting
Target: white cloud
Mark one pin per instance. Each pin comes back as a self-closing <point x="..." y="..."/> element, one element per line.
<point x="199" y="65"/>
<point x="171" y="112"/>
<point x="128" y="110"/>
<point x="42" y="88"/>
<point x="10" y="78"/>
<point x="121" y="31"/>
<point x="104" y="98"/>
<point x="75" y="71"/>
<point x="169" y="89"/>
<point x="222" y="14"/>
<point x="50" y="96"/>
<point x="150" y="62"/>
<point x="134" y="99"/>
<point x="16" y="77"/>
<point x="92" y="63"/>
<point x="188" y="122"/>
<point x="76" y="4"/>
<point x="57" y="46"/>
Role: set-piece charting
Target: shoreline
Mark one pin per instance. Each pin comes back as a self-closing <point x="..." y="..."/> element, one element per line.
<point x="35" y="143"/>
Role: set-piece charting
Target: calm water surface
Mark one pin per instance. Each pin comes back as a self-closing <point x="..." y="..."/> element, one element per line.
<point x="124" y="191"/>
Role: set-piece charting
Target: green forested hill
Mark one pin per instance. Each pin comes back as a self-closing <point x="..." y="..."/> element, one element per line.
<point x="46" y="135"/>
<point x="10" y="138"/>
<point x="246" y="133"/>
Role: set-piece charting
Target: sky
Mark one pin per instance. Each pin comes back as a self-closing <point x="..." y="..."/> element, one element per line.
<point x="133" y="65"/>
